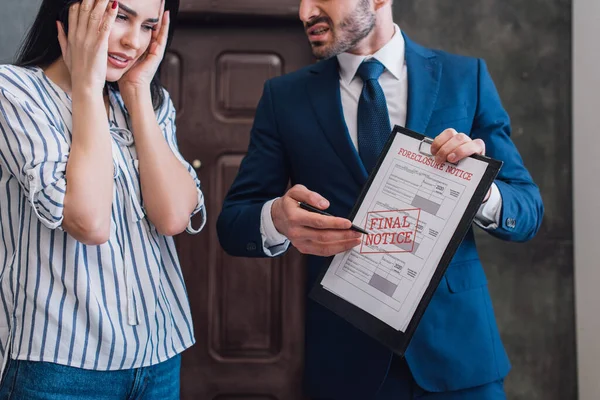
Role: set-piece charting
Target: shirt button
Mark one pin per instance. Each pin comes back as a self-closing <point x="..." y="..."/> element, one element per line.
<point x="251" y="246"/>
<point x="511" y="223"/>
<point x="30" y="177"/>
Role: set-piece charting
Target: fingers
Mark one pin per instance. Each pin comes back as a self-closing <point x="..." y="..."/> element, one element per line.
<point x="441" y="140"/>
<point x="164" y="31"/>
<point x="321" y="236"/>
<point x="73" y="19"/>
<point x="85" y="9"/>
<point x="109" y="20"/>
<point x="330" y="249"/>
<point x="159" y="36"/>
<point x="97" y="15"/>
<point x="93" y="17"/>
<point x="301" y="193"/>
<point x="310" y="232"/>
<point x="457" y="140"/>
<point x="317" y="221"/>
<point x="161" y="15"/>
<point x="453" y="146"/>
<point x="299" y="217"/>
<point x="467" y="149"/>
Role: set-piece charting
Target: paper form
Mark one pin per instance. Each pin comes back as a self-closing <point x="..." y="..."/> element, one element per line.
<point x="411" y="211"/>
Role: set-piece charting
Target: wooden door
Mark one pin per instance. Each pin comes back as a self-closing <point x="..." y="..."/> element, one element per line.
<point x="248" y="313"/>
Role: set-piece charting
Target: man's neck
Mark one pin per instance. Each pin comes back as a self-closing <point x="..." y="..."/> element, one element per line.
<point x="382" y="33"/>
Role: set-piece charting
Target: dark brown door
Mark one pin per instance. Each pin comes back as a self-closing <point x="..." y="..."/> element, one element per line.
<point x="248" y="313"/>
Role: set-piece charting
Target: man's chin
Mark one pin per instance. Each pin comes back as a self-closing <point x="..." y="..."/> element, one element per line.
<point x="321" y="51"/>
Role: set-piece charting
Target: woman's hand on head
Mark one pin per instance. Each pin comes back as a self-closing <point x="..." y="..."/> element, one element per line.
<point x="85" y="48"/>
<point x="139" y="77"/>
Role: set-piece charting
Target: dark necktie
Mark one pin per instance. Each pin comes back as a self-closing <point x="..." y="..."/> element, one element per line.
<point x="373" y="118"/>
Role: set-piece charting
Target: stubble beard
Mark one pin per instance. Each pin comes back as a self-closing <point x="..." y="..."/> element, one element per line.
<point x="352" y="30"/>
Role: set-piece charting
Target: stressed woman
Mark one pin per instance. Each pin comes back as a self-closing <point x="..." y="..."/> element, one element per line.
<point x="92" y="189"/>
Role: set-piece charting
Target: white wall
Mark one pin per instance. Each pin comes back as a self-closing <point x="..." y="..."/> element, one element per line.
<point x="586" y="201"/>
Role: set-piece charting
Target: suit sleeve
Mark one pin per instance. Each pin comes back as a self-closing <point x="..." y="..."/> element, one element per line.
<point x="263" y="175"/>
<point x="522" y="207"/>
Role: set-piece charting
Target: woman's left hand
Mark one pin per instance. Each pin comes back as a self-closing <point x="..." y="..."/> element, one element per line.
<point x="141" y="74"/>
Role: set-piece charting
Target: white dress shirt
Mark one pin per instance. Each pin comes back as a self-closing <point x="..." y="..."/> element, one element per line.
<point x="394" y="82"/>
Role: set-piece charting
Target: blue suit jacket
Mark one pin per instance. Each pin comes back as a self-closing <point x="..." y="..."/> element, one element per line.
<point x="299" y="135"/>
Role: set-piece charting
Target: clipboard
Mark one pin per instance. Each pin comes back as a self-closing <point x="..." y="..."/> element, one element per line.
<point x="397" y="340"/>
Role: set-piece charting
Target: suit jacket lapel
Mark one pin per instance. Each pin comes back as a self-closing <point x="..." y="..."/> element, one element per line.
<point x="424" y="72"/>
<point x="324" y="93"/>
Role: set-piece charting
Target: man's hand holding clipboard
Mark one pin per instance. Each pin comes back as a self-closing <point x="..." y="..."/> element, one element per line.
<point x="417" y="206"/>
<point x="325" y="235"/>
<point x="452" y="146"/>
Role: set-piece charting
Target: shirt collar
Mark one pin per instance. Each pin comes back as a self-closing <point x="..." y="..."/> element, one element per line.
<point x="391" y="56"/>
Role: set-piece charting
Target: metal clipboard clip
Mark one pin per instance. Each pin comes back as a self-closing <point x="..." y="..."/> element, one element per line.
<point x="429" y="141"/>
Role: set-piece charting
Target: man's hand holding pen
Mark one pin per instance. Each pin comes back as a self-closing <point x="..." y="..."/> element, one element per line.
<point x="310" y="232"/>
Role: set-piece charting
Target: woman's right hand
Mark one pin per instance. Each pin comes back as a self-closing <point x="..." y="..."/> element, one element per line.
<point x="85" y="50"/>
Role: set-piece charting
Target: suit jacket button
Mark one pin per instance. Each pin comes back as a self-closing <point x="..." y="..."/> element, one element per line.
<point x="251" y="246"/>
<point x="511" y="223"/>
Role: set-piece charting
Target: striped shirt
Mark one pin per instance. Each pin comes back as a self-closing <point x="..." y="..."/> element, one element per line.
<point x="119" y="305"/>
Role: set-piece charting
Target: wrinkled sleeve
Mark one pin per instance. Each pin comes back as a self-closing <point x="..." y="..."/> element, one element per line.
<point x="166" y="120"/>
<point x="35" y="152"/>
<point x="522" y="208"/>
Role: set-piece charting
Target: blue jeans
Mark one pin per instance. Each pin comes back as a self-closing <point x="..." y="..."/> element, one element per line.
<point x="34" y="380"/>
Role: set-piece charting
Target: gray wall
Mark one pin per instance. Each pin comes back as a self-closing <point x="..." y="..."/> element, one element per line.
<point x="586" y="86"/>
<point x="527" y="45"/>
<point x="15" y="18"/>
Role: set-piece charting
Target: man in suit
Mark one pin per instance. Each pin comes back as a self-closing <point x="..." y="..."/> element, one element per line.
<point x="322" y="128"/>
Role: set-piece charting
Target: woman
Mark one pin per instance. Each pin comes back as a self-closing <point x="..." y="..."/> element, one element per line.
<point x="92" y="187"/>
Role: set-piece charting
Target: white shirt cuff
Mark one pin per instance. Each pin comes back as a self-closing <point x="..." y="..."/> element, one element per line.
<point x="274" y="243"/>
<point x="488" y="215"/>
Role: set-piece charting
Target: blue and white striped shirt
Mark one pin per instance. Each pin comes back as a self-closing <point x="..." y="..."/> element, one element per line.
<point x="119" y="305"/>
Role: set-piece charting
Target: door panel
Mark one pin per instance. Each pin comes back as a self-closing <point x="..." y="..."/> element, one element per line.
<point x="282" y="8"/>
<point x="248" y="313"/>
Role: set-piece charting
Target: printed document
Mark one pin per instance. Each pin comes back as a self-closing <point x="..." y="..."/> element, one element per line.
<point x="411" y="211"/>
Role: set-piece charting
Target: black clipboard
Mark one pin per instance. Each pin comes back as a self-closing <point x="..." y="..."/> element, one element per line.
<point x="396" y="340"/>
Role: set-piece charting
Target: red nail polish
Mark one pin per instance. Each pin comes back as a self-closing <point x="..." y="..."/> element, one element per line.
<point x="114" y="5"/>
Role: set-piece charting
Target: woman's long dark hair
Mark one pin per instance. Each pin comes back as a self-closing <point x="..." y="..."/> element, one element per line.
<point x="41" y="47"/>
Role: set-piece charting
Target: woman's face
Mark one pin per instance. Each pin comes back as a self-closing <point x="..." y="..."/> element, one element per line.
<point x="131" y="35"/>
